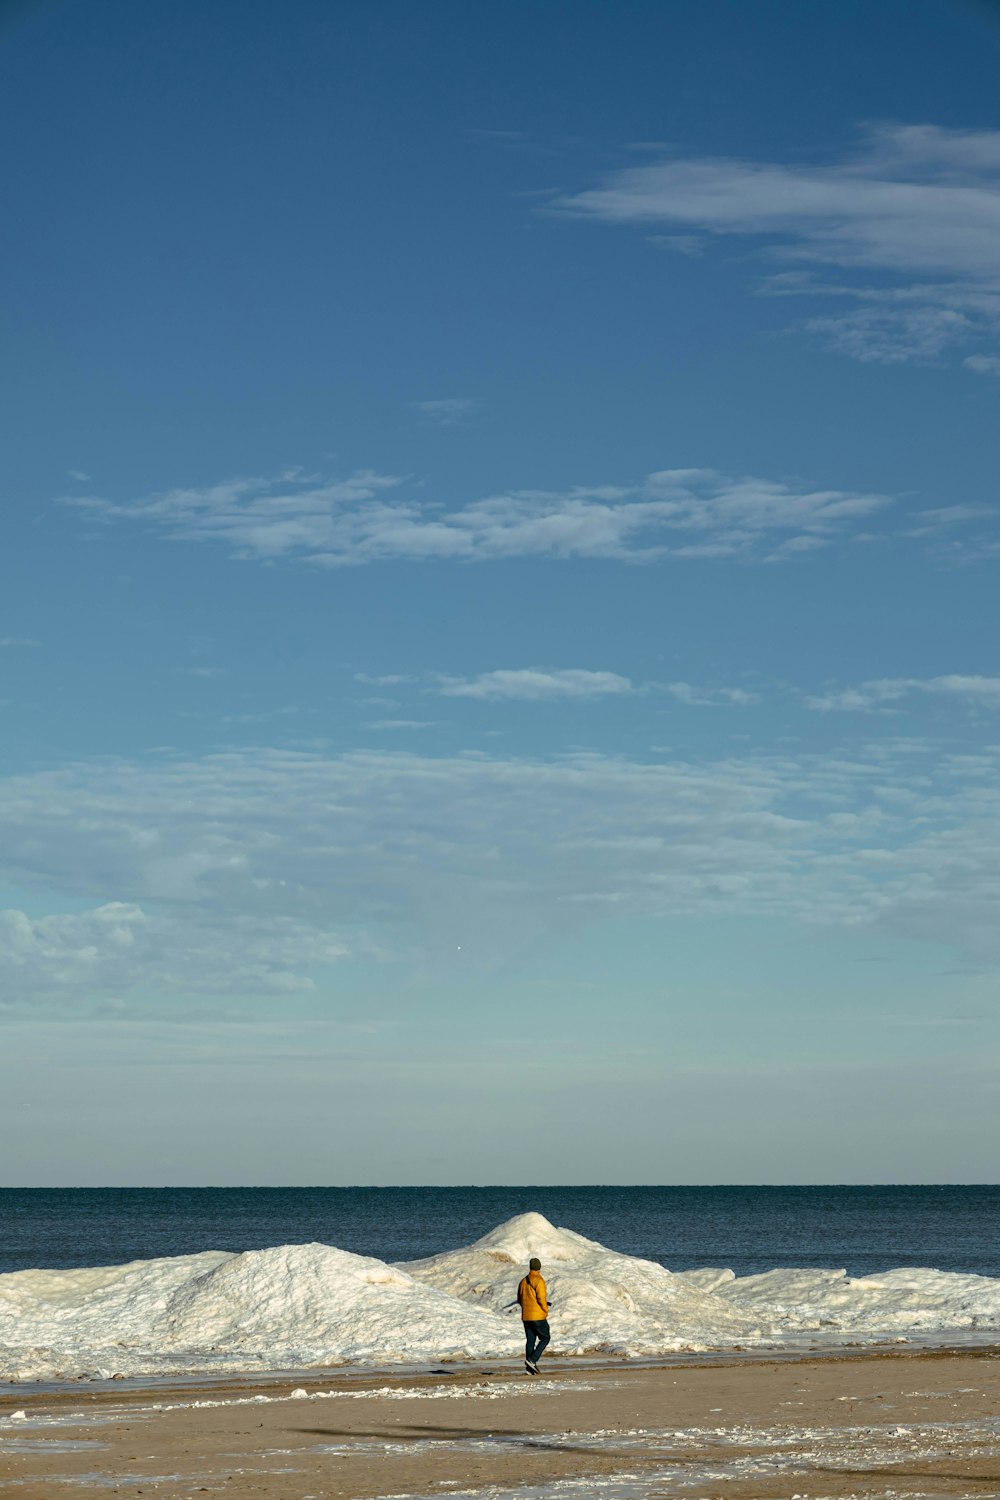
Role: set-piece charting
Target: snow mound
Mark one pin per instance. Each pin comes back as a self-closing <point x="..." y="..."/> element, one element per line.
<point x="296" y="1306"/>
<point x="292" y="1306"/>
<point x="601" y="1300"/>
<point x="903" y="1301"/>
<point x="518" y="1239"/>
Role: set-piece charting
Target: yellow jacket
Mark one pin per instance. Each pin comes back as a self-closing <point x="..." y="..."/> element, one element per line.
<point x="533" y="1298"/>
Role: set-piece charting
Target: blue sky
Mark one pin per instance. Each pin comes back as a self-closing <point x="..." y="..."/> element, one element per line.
<point x="498" y="669"/>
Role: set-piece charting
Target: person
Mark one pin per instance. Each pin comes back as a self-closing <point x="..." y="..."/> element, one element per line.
<point x="534" y="1303"/>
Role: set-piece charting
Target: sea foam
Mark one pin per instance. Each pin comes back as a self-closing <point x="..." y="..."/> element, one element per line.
<point x="298" y="1306"/>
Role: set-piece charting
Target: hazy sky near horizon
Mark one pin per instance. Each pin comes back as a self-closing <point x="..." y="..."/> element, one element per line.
<point x="499" y="676"/>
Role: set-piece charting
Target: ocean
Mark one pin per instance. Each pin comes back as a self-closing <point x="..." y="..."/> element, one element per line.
<point x="747" y="1229"/>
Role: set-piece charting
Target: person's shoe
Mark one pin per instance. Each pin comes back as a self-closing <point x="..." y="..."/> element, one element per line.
<point x="531" y="1368"/>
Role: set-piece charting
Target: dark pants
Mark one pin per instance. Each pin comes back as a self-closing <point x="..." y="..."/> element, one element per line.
<point x="537" y="1337"/>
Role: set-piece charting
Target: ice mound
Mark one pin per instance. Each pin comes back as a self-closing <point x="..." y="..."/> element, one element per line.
<point x="297" y="1306"/>
<point x="601" y="1301"/>
<point x="292" y="1306"/>
<point x="607" y="1302"/>
<point x="908" y="1301"/>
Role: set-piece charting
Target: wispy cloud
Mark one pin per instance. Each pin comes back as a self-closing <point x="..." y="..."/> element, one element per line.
<point x="401" y="724"/>
<point x="117" y="949"/>
<point x="709" y="697"/>
<point x="940" y="520"/>
<point x="536" y="683"/>
<point x="683" y="244"/>
<point x="982" y="692"/>
<point x="249" y="872"/>
<point x="292" y="513"/>
<point x="917" y="207"/>
<point x="17" y="640"/>
<point x="389" y="679"/>
<point x="555" y="684"/>
<point x="983" y="364"/>
<point x="451" y="411"/>
<point x="675" y="513"/>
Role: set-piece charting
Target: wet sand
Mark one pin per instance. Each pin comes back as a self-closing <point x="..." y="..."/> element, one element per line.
<point x="873" y="1424"/>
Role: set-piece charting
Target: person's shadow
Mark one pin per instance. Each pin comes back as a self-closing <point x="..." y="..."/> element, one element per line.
<point x="414" y="1434"/>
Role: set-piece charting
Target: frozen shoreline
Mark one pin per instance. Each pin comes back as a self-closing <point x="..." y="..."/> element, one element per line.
<point x="303" y="1307"/>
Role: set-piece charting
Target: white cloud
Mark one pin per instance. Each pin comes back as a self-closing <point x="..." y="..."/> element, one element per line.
<point x="553" y="684"/>
<point x="678" y="513"/>
<point x="401" y="724"/>
<point x="536" y="683"/>
<point x="917" y="206"/>
<point x="262" y="518"/>
<point x="941" y="519"/>
<point x="892" y="335"/>
<point x="683" y="244"/>
<point x="983" y="692"/>
<point x="707" y="697"/>
<point x="390" y="679"/>
<point x="983" y="364"/>
<point x="246" y="872"/>
<point x="116" y="950"/>
<point x="17" y="640"/>
<point x="452" y="411"/>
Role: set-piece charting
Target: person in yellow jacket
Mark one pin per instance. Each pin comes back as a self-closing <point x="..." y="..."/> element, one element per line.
<point x="534" y="1304"/>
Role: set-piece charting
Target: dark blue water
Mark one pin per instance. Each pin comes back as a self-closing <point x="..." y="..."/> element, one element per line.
<point x="861" y="1229"/>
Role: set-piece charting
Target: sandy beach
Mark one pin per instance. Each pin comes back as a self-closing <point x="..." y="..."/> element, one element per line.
<point x="872" y="1424"/>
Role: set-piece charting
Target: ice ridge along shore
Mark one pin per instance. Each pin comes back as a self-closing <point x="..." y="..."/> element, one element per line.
<point x="297" y="1306"/>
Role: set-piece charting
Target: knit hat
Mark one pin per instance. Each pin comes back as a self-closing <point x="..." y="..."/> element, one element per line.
<point x="534" y="1264"/>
